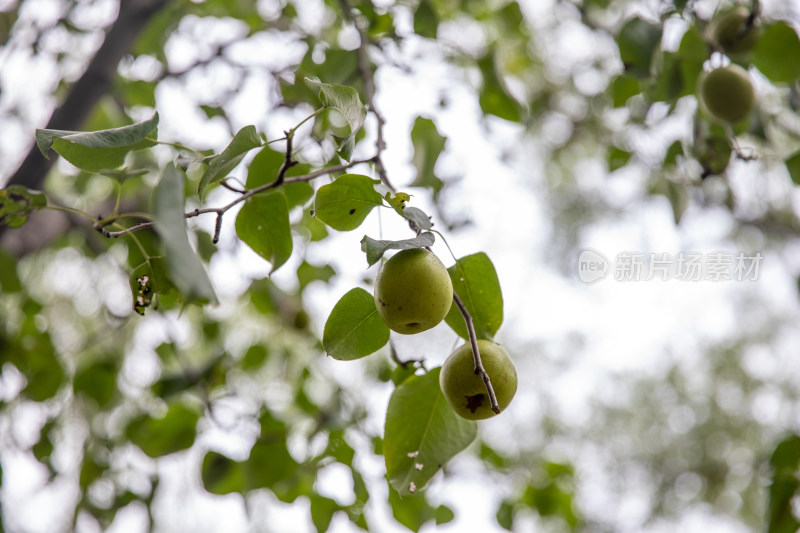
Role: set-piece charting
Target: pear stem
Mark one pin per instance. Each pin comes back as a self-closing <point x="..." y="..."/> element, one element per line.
<point x="476" y="354"/>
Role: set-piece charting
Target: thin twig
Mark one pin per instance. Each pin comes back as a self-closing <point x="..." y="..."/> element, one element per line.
<point x="217" y="228"/>
<point x="476" y="355"/>
<point x="399" y="361"/>
<point x="288" y="162"/>
<point x="369" y="87"/>
<point x="230" y="187"/>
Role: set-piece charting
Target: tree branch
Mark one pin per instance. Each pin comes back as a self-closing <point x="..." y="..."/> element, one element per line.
<point x="476" y="355"/>
<point x="369" y="87"/>
<point x="245" y="195"/>
<point x="91" y="86"/>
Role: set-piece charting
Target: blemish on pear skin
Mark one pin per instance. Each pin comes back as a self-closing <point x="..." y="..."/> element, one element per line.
<point x="474" y="402"/>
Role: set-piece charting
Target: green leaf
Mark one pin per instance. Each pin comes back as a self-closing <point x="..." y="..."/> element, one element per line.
<point x="692" y="54"/>
<point x="505" y="515"/>
<point x="622" y="88"/>
<point x="418" y="217"/>
<point x="173" y="432"/>
<point x="97" y="381"/>
<point x="213" y="111"/>
<point x="345" y="203"/>
<point x="9" y="280"/>
<point x="617" y="158"/>
<point x="306" y="273"/>
<point x="37" y="360"/>
<point x="208" y="375"/>
<point x="354" y="329"/>
<point x="678" y="72"/>
<point x="493" y="98"/>
<point x="346" y="101"/>
<point x="676" y="194"/>
<point x="673" y="152"/>
<point x="254" y="357"/>
<point x="122" y="175"/>
<point x="263" y="224"/>
<point x="637" y="42"/>
<point x="43" y="449"/>
<point x="397" y="201"/>
<point x="443" y="515"/>
<point x="97" y="150"/>
<point x="17" y="203"/>
<point x="219" y="166"/>
<point x="713" y="150"/>
<point x="551" y="500"/>
<point x="411" y="510"/>
<point x="322" y="511"/>
<point x="269" y="461"/>
<point x="428" y="145"/>
<point x="339" y="448"/>
<point x="793" y="166"/>
<point x="426" y="21"/>
<point x="785" y="463"/>
<point x="402" y="373"/>
<point x="222" y="475"/>
<point x="422" y="433"/>
<point x="375" y="249"/>
<point x="476" y="283"/>
<point x="669" y="79"/>
<point x="777" y="54"/>
<point x="184" y="267"/>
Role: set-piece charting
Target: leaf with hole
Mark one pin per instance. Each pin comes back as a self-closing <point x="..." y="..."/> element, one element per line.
<point x="17" y="203"/>
<point x="149" y="281"/>
<point x="345" y="203"/>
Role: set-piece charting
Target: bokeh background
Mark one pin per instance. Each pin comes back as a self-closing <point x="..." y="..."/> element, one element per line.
<point x="527" y="133"/>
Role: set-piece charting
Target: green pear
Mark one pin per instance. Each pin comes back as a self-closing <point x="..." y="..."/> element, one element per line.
<point x="735" y="32"/>
<point x="413" y="291"/>
<point x="465" y="390"/>
<point x="727" y="93"/>
<point x="714" y="154"/>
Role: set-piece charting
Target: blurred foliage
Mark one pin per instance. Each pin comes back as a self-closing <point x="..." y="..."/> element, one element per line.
<point x="115" y="392"/>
